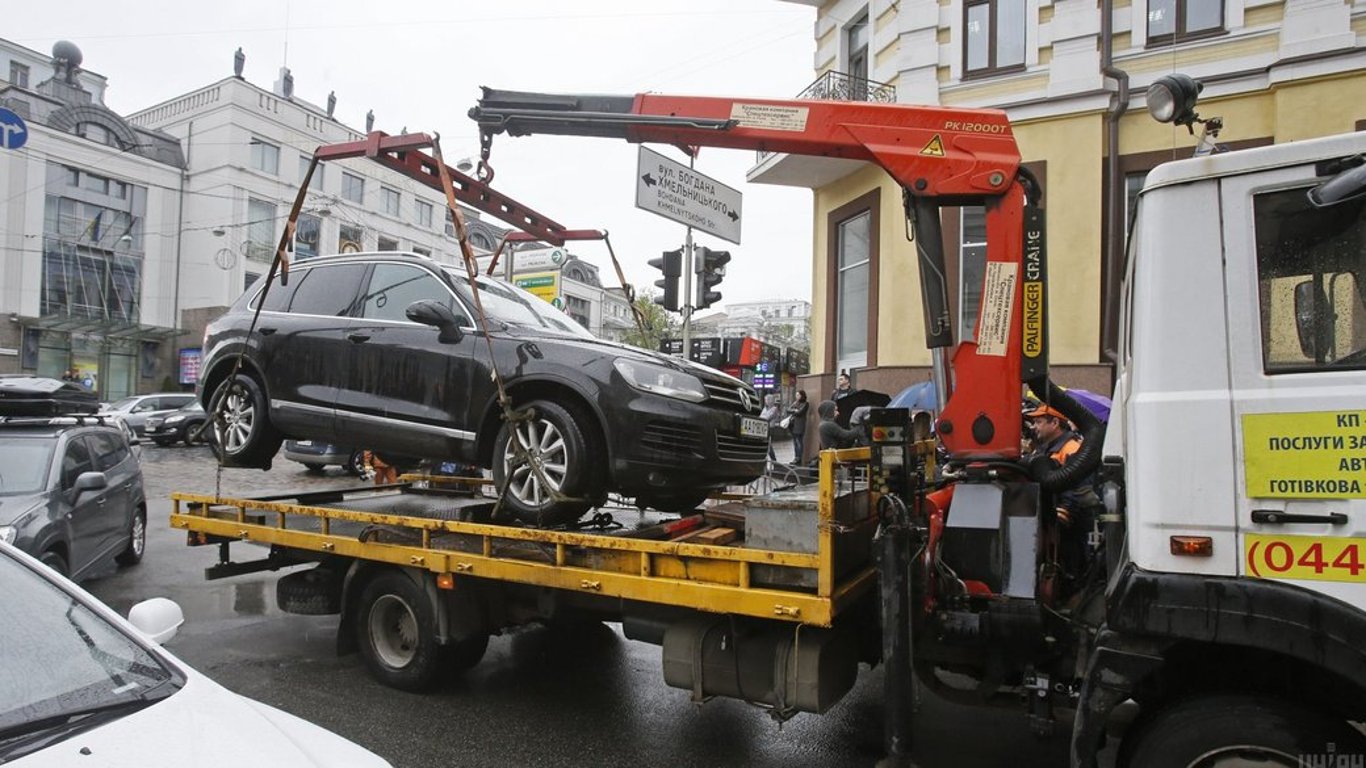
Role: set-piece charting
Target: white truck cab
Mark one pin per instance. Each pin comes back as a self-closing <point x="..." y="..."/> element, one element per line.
<point x="1237" y="614"/>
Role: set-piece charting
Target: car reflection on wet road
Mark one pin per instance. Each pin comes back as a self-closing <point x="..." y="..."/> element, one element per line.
<point x="579" y="695"/>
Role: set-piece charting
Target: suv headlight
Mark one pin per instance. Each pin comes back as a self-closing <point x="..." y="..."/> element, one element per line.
<point x="661" y="380"/>
<point x="8" y="533"/>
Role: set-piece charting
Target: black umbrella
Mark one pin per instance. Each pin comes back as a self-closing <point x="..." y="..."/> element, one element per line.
<point x="857" y="399"/>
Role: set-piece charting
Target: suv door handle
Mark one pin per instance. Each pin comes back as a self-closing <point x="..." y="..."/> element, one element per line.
<point x="358" y="338"/>
<point x="1277" y="517"/>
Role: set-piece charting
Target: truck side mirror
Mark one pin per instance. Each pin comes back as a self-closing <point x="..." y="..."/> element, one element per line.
<point x="438" y="315"/>
<point x="1314" y="321"/>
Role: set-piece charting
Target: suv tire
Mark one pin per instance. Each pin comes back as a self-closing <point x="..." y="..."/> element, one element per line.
<point x="137" y="539"/>
<point x="242" y="433"/>
<point x="556" y="440"/>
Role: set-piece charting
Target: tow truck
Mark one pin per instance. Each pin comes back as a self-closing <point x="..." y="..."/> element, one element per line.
<point x="1223" y="592"/>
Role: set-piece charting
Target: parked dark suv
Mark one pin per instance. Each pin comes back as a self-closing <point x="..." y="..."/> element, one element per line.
<point x="70" y="487"/>
<point x="382" y="351"/>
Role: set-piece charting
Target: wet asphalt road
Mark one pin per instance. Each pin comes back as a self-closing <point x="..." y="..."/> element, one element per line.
<point x="541" y="697"/>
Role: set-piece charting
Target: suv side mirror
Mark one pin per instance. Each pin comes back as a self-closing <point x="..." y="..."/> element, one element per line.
<point x="434" y="313"/>
<point x="1314" y="321"/>
<point x="90" y="481"/>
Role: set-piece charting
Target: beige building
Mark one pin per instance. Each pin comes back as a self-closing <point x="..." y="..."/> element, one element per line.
<point x="1072" y="75"/>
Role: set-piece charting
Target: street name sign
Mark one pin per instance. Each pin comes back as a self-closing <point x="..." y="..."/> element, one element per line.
<point x="677" y="192"/>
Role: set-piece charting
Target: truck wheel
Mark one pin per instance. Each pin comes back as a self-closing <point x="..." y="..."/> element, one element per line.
<point x="1225" y="731"/>
<point x="555" y="441"/>
<point x="242" y="433"/>
<point x="137" y="539"/>
<point x="396" y="632"/>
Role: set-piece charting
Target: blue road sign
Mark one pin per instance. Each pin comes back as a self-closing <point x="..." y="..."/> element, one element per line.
<point x="13" y="132"/>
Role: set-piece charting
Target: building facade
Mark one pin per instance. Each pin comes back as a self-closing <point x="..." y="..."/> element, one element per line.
<point x="1071" y="75"/>
<point x="89" y="223"/>
<point x="124" y="236"/>
<point x="785" y="322"/>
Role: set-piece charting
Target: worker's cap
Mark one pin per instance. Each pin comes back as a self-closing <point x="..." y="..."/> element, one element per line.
<point x="1045" y="410"/>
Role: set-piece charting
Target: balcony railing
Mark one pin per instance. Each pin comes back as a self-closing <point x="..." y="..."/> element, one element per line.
<point x="840" y="86"/>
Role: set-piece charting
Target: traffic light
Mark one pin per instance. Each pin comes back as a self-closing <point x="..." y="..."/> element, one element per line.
<point x="711" y="268"/>
<point x="671" y="264"/>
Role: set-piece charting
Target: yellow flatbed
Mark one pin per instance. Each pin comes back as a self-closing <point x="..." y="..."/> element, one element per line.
<point x="431" y="524"/>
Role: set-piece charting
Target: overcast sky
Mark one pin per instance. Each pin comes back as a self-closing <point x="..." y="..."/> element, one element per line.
<point x="419" y="64"/>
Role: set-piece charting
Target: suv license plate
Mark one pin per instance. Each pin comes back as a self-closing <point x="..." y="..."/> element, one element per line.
<point x="753" y="427"/>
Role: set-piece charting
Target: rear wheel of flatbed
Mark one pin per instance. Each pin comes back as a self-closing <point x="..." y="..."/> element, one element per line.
<point x="396" y="632"/>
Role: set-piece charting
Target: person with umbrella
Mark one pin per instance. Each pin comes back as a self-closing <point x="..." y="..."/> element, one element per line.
<point x="843" y="387"/>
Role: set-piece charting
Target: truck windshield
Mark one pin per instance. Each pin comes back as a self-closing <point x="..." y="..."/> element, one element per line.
<point x="514" y="305"/>
<point x="1310" y="267"/>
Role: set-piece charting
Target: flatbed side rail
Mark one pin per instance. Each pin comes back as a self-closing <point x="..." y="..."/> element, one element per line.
<point x="716" y="578"/>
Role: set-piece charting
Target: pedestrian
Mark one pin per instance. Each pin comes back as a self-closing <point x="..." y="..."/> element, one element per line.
<point x="796" y="424"/>
<point x="772" y="414"/>
<point x="843" y="387"/>
<point x="70" y="375"/>
<point x="831" y="433"/>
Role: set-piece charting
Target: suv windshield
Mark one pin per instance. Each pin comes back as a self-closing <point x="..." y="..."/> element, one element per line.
<point x="24" y="463"/>
<point x="64" y="664"/>
<point x="516" y="306"/>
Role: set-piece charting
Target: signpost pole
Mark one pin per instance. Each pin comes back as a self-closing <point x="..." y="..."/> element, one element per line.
<point x="687" y="293"/>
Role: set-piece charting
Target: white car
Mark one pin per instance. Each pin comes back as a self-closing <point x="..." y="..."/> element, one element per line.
<point x="79" y="684"/>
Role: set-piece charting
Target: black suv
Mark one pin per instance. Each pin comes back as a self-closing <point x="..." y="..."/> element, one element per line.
<point x="70" y="486"/>
<point x="382" y="350"/>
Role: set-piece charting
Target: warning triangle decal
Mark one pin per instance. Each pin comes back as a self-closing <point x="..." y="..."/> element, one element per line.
<point x="935" y="148"/>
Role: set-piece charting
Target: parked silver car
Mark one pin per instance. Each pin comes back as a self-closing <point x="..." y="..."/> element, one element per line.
<point x="135" y="410"/>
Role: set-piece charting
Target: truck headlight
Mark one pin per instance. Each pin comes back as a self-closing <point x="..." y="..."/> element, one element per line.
<point x="660" y="380"/>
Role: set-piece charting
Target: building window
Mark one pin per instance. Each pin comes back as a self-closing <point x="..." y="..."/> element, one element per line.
<point x="98" y="134"/>
<point x="994" y="35"/>
<point x="388" y="199"/>
<point x="855" y="258"/>
<point x="1133" y="184"/>
<point x="424" y="213"/>
<point x="260" y="229"/>
<point x="856" y="38"/>
<point x="265" y="157"/>
<point x="18" y="74"/>
<point x="387" y="244"/>
<point x="579" y="309"/>
<point x="972" y="265"/>
<point x="1171" y="20"/>
<point x="350" y="239"/>
<point x="353" y="188"/>
<point x="420" y="251"/>
<point x="316" y="185"/>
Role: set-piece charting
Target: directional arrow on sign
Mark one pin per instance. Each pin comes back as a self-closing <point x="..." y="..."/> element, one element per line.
<point x="677" y="192"/>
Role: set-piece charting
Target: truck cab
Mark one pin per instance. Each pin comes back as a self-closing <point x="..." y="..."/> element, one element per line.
<point x="1237" y="453"/>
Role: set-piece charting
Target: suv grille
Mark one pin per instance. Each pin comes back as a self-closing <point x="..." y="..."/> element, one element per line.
<point x="728" y="394"/>
<point x="732" y="448"/>
<point x="671" y="438"/>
